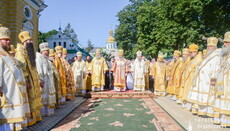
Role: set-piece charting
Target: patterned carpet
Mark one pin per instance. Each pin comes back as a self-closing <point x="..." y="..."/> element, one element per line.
<point x="116" y="115"/>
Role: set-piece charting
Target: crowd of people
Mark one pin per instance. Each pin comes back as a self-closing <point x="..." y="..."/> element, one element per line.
<point x="33" y="84"/>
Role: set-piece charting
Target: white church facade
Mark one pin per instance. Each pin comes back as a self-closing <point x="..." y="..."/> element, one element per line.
<point x="66" y="42"/>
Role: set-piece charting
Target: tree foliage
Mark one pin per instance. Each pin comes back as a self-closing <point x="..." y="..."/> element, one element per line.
<point x="69" y="31"/>
<point x="42" y="37"/>
<point x="89" y="46"/>
<point x="167" y="25"/>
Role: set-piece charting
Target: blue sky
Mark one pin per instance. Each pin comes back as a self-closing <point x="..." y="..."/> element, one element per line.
<point x="91" y="19"/>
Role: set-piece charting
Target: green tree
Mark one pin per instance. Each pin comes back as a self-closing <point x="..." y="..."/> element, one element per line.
<point x="167" y="25"/>
<point x="89" y="46"/>
<point x="42" y="37"/>
<point x="126" y="31"/>
<point x="69" y="31"/>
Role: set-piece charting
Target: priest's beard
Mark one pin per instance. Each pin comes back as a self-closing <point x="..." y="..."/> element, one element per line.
<point x="88" y="60"/>
<point x="98" y="56"/>
<point x="184" y="59"/>
<point x="31" y="54"/>
<point x="139" y="59"/>
<point x="6" y="48"/>
<point x="209" y="52"/>
<point x="225" y="51"/>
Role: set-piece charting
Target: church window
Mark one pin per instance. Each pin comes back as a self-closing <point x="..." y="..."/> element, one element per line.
<point x="64" y="44"/>
<point x="54" y="44"/>
<point x="59" y="43"/>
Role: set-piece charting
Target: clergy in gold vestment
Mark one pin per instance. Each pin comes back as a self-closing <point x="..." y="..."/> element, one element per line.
<point x="45" y="73"/>
<point x="61" y="71"/>
<point x="14" y="106"/>
<point x="88" y="78"/>
<point x="139" y="71"/>
<point x="120" y="68"/>
<point x="70" y="85"/>
<point x="187" y="78"/>
<point x="180" y="69"/>
<point x="147" y="62"/>
<point x="202" y="92"/>
<point x="98" y="69"/>
<point x="174" y="75"/>
<point x="158" y="73"/>
<point x="56" y="76"/>
<point x="26" y="55"/>
<point x="80" y="71"/>
<point x="222" y="100"/>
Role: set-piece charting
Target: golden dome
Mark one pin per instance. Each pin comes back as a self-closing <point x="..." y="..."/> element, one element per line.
<point x="110" y="39"/>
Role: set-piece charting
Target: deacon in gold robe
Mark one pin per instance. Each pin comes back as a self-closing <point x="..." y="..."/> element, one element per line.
<point x="88" y="78"/>
<point x="158" y="73"/>
<point x="147" y="62"/>
<point x="26" y="55"/>
<point x="46" y="75"/>
<point x="98" y="69"/>
<point x="56" y="76"/>
<point x="222" y="100"/>
<point x="181" y="69"/>
<point x="61" y="71"/>
<point x="139" y="71"/>
<point x="14" y="106"/>
<point x="80" y="71"/>
<point x="202" y="92"/>
<point x="70" y="85"/>
<point x="120" y="69"/>
<point x="188" y="75"/>
<point x="174" y="75"/>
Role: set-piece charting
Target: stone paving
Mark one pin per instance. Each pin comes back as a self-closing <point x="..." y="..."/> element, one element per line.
<point x="48" y="122"/>
<point x="189" y="121"/>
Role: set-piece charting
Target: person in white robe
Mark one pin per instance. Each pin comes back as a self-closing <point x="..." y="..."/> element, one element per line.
<point x="222" y="87"/>
<point x="139" y="71"/>
<point x="14" y="107"/>
<point x="202" y="92"/>
<point x="80" y="72"/>
<point x="45" y="73"/>
<point x="129" y="81"/>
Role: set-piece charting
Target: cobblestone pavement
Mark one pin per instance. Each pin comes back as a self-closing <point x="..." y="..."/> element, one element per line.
<point x="187" y="119"/>
<point x="48" y="122"/>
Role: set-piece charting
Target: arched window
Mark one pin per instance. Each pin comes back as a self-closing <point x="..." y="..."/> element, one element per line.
<point x="59" y="43"/>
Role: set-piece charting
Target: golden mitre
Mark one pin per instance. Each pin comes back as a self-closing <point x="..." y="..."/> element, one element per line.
<point x="177" y="53"/>
<point x="98" y="51"/>
<point x="64" y="51"/>
<point x="58" y="49"/>
<point x="212" y="41"/>
<point x="204" y="51"/>
<point x="160" y="57"/>
<point x="12" y="49"/>
<point x="121" y="52"/>
<point x="51" y="53"/>
<point x="79" y="53"/>
<point x="227" y="37"/>
<point x="193" y="47"/>
<point x="24" y="35"/>
<point x="139" y="53"/>
<point x="185" y="51"/>
<point x="4" y="32"/>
